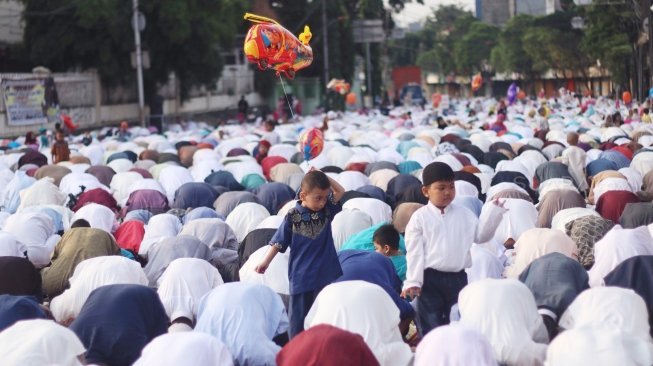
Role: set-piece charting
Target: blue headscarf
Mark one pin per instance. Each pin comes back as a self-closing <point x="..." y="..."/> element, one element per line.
<point x="600" y="165"/>
<point x="118" y="321"/>
<point x="201" y="213"/>
<point x="374" y="268"/>
<point x="194" y="194"/>
<point x="16" y="308"/>
<point x="274" y="195"/>
<point x="409" y="166"/>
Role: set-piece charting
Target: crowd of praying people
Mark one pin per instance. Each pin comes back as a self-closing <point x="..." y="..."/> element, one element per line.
<point x="483" y="233"/>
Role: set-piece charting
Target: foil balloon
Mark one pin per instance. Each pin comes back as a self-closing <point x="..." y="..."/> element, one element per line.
<point x="512" y="93"/>
<point x="311" y="143"/>
<point x="477" y="81"/>
<point x="436" y="99"/>
<point x="521" y="95"/>
<point x="339" y="86"/>
<point x="626" y="97"/>
<point x="351" y="99"/>
<point x="68" y="121"/>
<point x="271" y="46"/>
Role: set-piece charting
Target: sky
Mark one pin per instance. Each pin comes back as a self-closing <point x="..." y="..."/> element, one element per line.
<point x="414" y="12"/>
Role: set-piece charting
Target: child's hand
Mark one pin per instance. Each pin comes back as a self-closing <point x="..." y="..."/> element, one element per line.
<point x="261" y="268"/>
<point x="411" y="293"/>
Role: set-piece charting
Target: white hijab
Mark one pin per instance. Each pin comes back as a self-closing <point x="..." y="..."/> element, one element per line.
<point x="536" y="243"/>
<point x="346" y="305"/>
<point x="504" y="311"/>
<point x="616" y="246"/>
<point x="616" y="307"/>
<point x="98" y="216"/>
<point x="172" y="177"/>
<point x="121" y="183"/>
<point x="36" y="231"/>
<point x="611" y="184"/>
<point x="40" y="342"/>
<point x="381" y="177"/>
<point x="189" y="348"/>
<point x="598" y="344"/>
<point x="454" y="345"/>
<point x="159" y="227"/>
<point x="72" y="183"/>
<point x="10" y="247"/>
<point x="213" y="232"/>
<point x="245" y="218"/>
<point x="485" y="264"/>
<point x="275" y="277"/>
<point x="43" y="192"/>
<point x="351" y="180"/>
<point x="347" y="223"/>
<point x="635" y="179"/>
<point x="563" y="217"/>
<point x="574" y="157"/>
<point x="183" y="284"/>
<point x="378" y="210"/>
<point x="90" y="274"/>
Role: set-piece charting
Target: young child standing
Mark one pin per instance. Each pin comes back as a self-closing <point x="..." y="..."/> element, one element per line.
<point x="60" y="151"/>
<point x="306" y="229"/>
<point x="386" y="242"/>
<point x="438" y="241"/>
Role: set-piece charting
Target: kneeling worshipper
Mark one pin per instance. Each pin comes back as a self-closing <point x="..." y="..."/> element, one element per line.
<point x="326" y="345"/>
<point x="40" y="342"/>
<point x="504" y="311"/>
<point x="182" y="286"/>
<point x="187" y="348"/>
<point x="366" y="309"/>
<point x="118" y="321"/>
<point x="245" y="317"/>
<point x="454" y="345"/>
<point x="17" y="308"/>
<point x="76" y="245"/>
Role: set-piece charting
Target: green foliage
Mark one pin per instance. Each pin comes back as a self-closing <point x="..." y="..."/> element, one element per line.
<point x="474" y="48"/>
<point x="509" y="55"/>
<point x="182" y="36"/>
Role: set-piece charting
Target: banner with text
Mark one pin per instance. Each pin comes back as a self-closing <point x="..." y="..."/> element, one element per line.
<point x="30" y="101"/>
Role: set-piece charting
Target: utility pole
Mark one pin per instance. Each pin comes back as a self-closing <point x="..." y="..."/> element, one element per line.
<point x="139" y="62"/>
<point x="325" y="50"/>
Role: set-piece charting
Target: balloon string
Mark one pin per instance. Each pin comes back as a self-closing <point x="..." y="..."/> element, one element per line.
<point x="286" y="94"/>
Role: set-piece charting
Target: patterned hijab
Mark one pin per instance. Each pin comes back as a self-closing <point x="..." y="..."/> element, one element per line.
<point x="585" y="232"/>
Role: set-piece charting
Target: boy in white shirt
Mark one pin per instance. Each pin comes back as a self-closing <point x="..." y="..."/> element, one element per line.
<point x="438" y="241"/>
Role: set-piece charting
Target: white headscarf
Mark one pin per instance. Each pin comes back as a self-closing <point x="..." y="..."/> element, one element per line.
<point x="245" y="218"/>
<point x="485" y="264"/>
<point x="454" y="345"/>
<point x="635" y="179"/>
<point x="504" y="311"/>
<point x="43" y="192"/>
<point x="643" y="162"/>
<point x="498" y="188"/>
<point x="213" y="232"/>
<point x="521" y="216"/>
<point x="183" y="284"/>
<point x="159" y="227"/>
<point x="536" y="243"/>
<point x="598" y="344"/>
<point x="10" y="193"/>
<point x="610" y="184"/>
<point x="381" y="177"/>
<point x="120" y="165"/>
<point x="378" y="210"/>
<point x="531" y="159"/>
<point x="190" y="348"/>
<point x="346" y="305"/>
<point x="616" y="246"/>
<point x="202" y="169"/>
<point x="40" y="342"/>
<point x="10" y="247"/>
<point x="563" y="217"/>
<point x="36" y="231"/>
<point x="514" y="166"/>
<point x="270" y="222"/>
<point x="172" y="177"/>
<point x="464" y="188"/>
<point x="121" y="183"/>
<point x="245" y="317"/>
<point x="90" y="274"/>
<point x="72" y="183"/>
<point x="275" y="277"/>
<point x="351" y="180"/>
<point x="98" y="216"/>
<point x="347" y="223"/>
<point x="574" y="157"/>
<point x="555" y="184"/>
<point x="616" y="307"/>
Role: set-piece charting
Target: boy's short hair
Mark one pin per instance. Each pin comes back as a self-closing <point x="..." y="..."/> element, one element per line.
<point x="313" y="180"/>
<point x="387" y="235"/>
<point x="436" y="172"/>
<point x="80" y="223"/>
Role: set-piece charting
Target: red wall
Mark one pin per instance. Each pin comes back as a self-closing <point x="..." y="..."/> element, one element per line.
<point x="406" y="74"/>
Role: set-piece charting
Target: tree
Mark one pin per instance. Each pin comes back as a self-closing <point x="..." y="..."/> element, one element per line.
<point x="509" y="55"/>
<point x="474" y="48"/>
<point x="182" y="36"/>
